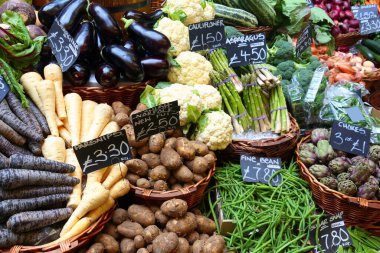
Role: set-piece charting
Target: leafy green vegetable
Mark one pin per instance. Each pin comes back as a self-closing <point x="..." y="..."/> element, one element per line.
<point x="318" y="15"/>
<point x="193" y="113"/>
<point x="322" y="26"/>
<point x="148" y="98"/>
<point x="297" y="13"/>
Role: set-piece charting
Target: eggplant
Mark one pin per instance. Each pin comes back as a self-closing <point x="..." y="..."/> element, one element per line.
<point x="46" y="51"/>
<point x="156" y="43"/>
<point x="126" y="61"/>
<point x="107" y="75"/>
<point x="78" y="74"/>
<point x="107" y="27"/>
<point x="72" y="14"/>
<point x="130" y="46"/>
<point x="84" y="38"/>
<point x="49" y="11"/>
<point x="148" y="20"/>
<point x="155" y="68"/>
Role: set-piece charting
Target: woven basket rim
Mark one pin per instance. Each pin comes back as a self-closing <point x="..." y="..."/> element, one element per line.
<point x="348" y="35"/>
<point x="356" y="200"/>
<point x="126" y="86"/>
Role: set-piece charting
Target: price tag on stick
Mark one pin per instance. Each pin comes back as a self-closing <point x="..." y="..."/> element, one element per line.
<point x="304" y="40"/>
<point x="156" y="120"/>
<point x="207" y="35"/>
<point x="332" y="233"/>
<point x="368" y="26"/>
<point x="4" y="88"/>
<point x="365" y="11"/>
<point x="260" y="169"/>
<point x="104" y="151"/>
<point x="64" y="48"/>
<point x="247" y="49"/>
<point x="350" y="138"/>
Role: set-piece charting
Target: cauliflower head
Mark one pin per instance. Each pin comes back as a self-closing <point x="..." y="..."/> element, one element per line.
<point x="215" y="130"/>
<point x="193" y="69"/>
<point x="191" y="11"/>
<point x="209" y="12"/>
<point x="188" y="99"/>
<point x="177" y="33"/>
<point x="211" y="98"/>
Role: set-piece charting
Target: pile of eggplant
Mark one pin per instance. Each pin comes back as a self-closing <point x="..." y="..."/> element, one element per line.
<point x="135" y="53"/>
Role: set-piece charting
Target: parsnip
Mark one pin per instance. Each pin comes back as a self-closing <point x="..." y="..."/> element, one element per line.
<point x="118" y="172"/>
<point x="30" y="81"/>
<point x="88" y="108"/>
<point x="74" y="112"/>
<point x="46" y="92"/>
<point x="96" y="176"/>
<point x="102" y="115"/>
<point x="65" y="135"/>
<point x="111" y="127"/>
<point x="120" y="189"/>
<point x="76" y="195"/>
<point x="53" y="73"/>
<point x="54" y="148"/>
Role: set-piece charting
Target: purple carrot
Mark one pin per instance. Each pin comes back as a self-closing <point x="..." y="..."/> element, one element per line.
<point x="39" y="163"/>
<point x="9" y="149"/>
<point x="33" y="192"/>
<point x="9" y="238"/>
<point x="39" y="116"/>
<point x="11" y="134"/>
<point x="35" y="148"/>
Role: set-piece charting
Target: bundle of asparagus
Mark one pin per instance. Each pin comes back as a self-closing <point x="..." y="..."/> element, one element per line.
<point x="265" y="78"/>
<point x="279" y="112"/>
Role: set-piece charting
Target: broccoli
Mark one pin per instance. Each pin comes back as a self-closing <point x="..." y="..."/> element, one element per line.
<point x="287" y="68"/>
<point x="314" y="63"/>
<point x="304" y="77"/>
<point x="305" y="56"/>
<point x="282" y="50"/>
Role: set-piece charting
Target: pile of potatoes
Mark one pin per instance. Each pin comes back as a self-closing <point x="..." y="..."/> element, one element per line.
<point x="164" y="161"/>
<point x="168" y="229"/>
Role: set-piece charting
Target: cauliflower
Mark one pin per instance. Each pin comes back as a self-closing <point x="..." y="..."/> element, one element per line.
<point x="188" y="99"/>
<point x="193" y="69"/>
<point x="188" y="11"/>
<point x="215" y="130"/>
<point x="209" y="12"/>
<point x="211" y="98"/>
<point x="177" y="33"/>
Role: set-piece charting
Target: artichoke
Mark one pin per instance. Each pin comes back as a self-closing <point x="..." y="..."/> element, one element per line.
<point x="377" y="172"/>
<point x="343" y="176"/>
<point x="357" y="159"/>
<point x="373" y="180"/>
<point x="361" y="171"/>
<point x="368" y="190"/>
<point x="325" y="152"/>
<point x="330" y="182"/>
<point x="347" y="187"/>
<point x="308" y="146"/>
<point x="319" y="171"/>
<point x="339" y="165"/>
<point x="340" y="153"/>
<point x="319" y="134"/>
<point x="374" y="153"/>
<point x="308" y="157"/>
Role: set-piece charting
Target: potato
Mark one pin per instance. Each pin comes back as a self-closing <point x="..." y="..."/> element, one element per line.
<point x="141" y="214"/>
<point x="184" y="175"/>
<point x="150" y="233"/>
<point x="143" y="150"/>
<point x="170" y="159"/>
<point x="143" y="250"/>
<point x="196" y="211"/>
<point x="182" y="226"/>
<point x="174" y="208"/>
<point x="185" y="149"/>
<point x="201" y="149"/>
<point x="150" y="248"/>
<point x="154" y="208"/>
<point x="152" y="160"/>
<point x="131" y="137"/>
<point x="119" y="216"/>
<point x="127" y="246"/>
<point x="198" y="246"/>
<point x="119" y="107"/>
<point x="141" y="107"/>
<point x="205" y="225"/>
<point x="135" y="153"/>
<point x="215" y="244"/>
<point x="172" y="180"/>
<point x="96" y="248"/>
<point x="132" y="178"/>
<point x="121" y="119"/>
<point x="130" y="229"/>
<point x="170" y="143"/>
<point x="159" y="173"/>
<point x="138" y="167"/>
<point x="109" y="243"/>
<point x="160" y="185"/>
<point x="204" y="237"/>
<point x="165" y="243"/>
<point x="111" y="229"/>
<point x="161" y="217"/>
<point x="211" y="159"/>
<point x="197" y="178"/>
<point x="191" y="238"/>
<point x="143" y="183"/>
<point x="139" y="241"/>
<point x="176" y="187"/>
<point x="156" y="143"/>
<point x="199" y="165"/>
<point x="177" y="133"/>
<point x="183" y="245"/>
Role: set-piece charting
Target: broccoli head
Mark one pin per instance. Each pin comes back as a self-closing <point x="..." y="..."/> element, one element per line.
<point x="304" y="77"/>
<point x="314" y="64"/>
<point x="287" y="68"/>
<point x="305" y="56"/>
<point x="282" y="50"/>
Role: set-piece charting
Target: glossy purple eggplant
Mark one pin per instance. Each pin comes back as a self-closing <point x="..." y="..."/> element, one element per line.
<point x="107" y="75"/>
<point x="78" y="74"/>
<point x="131" y="46"/>
<point x="72" y="14"/>
<point x="155" y="68"/>
<point x="148" y="20"/>
<point x="84" y="37"/>
<point x="49" y="11"/>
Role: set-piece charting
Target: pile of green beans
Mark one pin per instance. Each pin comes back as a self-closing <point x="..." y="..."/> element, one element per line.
<point x="362" y="242"/>
<point x="267" y="218"/>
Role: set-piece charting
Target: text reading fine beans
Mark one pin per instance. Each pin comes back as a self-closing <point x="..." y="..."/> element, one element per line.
<point x="260" y="169"/>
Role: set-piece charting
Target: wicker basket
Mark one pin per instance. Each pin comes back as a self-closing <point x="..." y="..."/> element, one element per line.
<point x="357" y="211"/>
<point x="282" y="146"/>
<point x="71" y="245"/>
<point x="348" y="39"/>
<point x="192" y="194"/>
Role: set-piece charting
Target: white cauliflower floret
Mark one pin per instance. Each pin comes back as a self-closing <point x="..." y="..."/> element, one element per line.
<point x="192" y="8"/>
<point x="177" y="33"/>
<point x="209" y="12"/>
<point x="211" y="98"/>
<point x="194" y="69"/>
<point x="188" y="100"/>
<point x="215" y="130"/>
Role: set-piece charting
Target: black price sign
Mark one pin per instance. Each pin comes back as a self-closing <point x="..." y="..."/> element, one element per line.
<point x="332" y="233"/>
<point x="247" y="49"/>
<point x="350" y="138"/>
<point x="310" y="3"/>
<point x="104" y="151"/>
<point x="64" y="48"/>
<point x="304" y="40"/>
<point x="156" y="120"/>
<point x="207" y="35"/>
<point x="4" y="88"/>
<point x="369" y="26"/>
<point x="365" y="11"/>
<point x="260" y="169"/>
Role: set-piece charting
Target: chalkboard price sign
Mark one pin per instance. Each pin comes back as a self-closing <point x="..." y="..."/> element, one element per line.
<point x="156" y="120"/>
<point x="332" y="233"/>
<point x="365" y="11"/>
<point x="4" y="88"/>
<point x="310" y="3"/>
<point x="64" y="48"/>
<point x="104" y="151"/>
<point x="368" y="26"/>
<point x="350" y="138"/>
<point x="304" y="40"/>
<point x="260" y="169"/>
<point x="207" y="35"/>
<point x="247" y="49"/>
